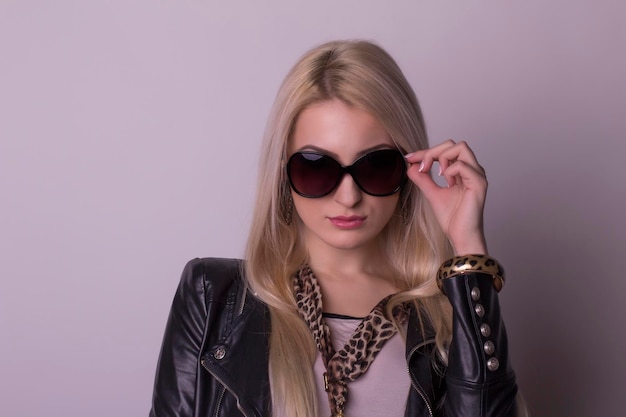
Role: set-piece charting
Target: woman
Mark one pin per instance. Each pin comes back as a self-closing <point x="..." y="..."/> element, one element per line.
<point x="358" y="265"/>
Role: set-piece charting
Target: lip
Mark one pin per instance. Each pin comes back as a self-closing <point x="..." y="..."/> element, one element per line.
<point x="347" y="222"/>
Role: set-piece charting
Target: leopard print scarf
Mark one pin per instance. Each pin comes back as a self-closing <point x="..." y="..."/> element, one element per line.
<point x="356" y="356"/>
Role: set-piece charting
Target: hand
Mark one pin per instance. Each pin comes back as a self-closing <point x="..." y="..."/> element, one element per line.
<point x="459" y="206"/>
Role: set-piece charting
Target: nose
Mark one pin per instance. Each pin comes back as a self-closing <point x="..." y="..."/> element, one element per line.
<point x="348" y="194"/>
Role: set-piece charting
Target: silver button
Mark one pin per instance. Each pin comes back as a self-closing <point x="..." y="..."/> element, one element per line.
<point x="480" y="310"/>
<point x="489" y="347"/>
<point x="493" y="364"/>
<point x="219" y="353"/>
<point x="485" y="330"/>
<point x="475" y="293"/>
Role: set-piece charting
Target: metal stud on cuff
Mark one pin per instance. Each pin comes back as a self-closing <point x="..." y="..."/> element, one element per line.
<point x="479" y="309"/>
<point x="475" y="293"/>
<point x="485" y="330"/>
<point x="493" y="364"/>
<point x="489" y="347"/>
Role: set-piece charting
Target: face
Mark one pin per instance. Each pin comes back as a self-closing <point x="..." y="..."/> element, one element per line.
<point x="347" y="217"/>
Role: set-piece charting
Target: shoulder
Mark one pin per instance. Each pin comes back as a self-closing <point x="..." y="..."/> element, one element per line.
<point x="212" y="277"/>
<point x="213" y="270"/>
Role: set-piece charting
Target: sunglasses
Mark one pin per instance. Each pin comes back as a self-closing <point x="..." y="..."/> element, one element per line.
<point x="379" y="173"/>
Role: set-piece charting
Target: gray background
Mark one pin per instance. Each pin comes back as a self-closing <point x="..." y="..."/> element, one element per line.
<point x="129" y="133"/>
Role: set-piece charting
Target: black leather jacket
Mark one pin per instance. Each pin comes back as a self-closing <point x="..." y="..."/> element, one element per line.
<point x="214" y="361"/>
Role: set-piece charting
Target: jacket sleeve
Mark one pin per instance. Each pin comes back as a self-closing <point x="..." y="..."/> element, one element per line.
<point x="177" y="369"/>
<point x="479" y="378"/>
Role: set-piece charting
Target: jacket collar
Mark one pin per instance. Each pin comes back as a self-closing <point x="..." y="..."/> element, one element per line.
<point x="248" y="337"/>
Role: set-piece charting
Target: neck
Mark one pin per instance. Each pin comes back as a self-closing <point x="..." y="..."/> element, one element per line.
<point x="352" y="281"/>
<point x="346" y="262"/>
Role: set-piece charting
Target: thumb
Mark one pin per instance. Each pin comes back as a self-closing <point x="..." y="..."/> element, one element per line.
<point x="424" y="181"/>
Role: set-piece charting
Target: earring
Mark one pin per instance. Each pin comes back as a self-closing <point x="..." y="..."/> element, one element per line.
<point x="288" y="210"/>
<point x="405" y="210"/>
<point x="406" y="218"/>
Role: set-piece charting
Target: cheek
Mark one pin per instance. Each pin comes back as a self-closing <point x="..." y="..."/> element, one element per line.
<point x="305" y="208"/>
<point x="386" y="210"/>
<point x="386" y="206"/>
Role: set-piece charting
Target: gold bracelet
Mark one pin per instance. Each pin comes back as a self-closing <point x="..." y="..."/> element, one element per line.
<point x="460" y="265"/>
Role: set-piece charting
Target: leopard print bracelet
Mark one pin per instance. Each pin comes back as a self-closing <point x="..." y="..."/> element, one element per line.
<point x="471" y="263"/>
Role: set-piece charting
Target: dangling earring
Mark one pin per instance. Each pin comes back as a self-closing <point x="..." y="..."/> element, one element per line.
<point x="406" y="215"/>
<point x="405" y="208"/>
<point x="288" y="210"/>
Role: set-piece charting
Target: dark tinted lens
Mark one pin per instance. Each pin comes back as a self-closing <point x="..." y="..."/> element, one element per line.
<point x="312" y="174"/>
<point x="380" y="172"/>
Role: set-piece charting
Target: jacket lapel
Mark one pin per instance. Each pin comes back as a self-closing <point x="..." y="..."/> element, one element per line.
<point x="239" y="358"/>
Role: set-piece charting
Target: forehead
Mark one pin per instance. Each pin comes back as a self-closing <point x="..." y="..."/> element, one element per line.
<point x="338" y="129"/>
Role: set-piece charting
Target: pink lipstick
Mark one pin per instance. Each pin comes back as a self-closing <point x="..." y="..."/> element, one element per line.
<point x="347" y="222"/>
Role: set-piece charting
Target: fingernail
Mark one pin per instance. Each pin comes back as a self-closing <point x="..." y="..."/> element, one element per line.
<point x="408" y="155"/>
<point x="421" y="166"/>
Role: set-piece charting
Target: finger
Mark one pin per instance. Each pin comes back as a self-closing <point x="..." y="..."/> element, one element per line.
<point x="426" y="157"/>
<point x="430" y="152"/>
<point x="460" y="151"/>
<point x="423" y="180"/>
<point x="462" y="173"/>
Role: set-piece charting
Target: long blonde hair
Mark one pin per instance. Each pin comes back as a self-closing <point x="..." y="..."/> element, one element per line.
<point x="363" y="75"/>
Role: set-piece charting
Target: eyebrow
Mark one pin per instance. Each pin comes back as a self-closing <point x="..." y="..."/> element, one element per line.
<point x="334" y="155"/>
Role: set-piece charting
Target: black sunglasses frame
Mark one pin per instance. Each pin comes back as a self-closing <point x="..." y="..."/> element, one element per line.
<point x="343" y="170"/>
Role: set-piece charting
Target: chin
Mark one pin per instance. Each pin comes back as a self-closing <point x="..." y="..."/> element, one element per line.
<point x="350" y="243"/>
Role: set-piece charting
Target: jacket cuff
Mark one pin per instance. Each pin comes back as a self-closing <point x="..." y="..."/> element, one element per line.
<point x="479" y="375"/>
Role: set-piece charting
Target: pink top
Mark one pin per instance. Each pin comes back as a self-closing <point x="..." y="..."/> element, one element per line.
<point x="382" y="390"/>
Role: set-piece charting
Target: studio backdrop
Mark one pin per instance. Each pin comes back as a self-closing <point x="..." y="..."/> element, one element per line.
<point x="129" y="140"/>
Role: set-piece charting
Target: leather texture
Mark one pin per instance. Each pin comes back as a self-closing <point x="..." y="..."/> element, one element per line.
<point x="214" y="360"/>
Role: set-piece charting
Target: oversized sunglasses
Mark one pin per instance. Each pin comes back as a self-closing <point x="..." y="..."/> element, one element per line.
<point x="379" y="173"/>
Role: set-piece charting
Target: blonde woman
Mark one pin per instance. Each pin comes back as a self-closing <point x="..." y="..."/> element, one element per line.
<point x="367" y="289"/>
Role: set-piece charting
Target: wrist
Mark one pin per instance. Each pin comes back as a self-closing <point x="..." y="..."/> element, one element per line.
<point x="475" y="246"/>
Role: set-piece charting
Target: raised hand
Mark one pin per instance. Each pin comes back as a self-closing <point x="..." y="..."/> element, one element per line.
<point x="459" y="206"/>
